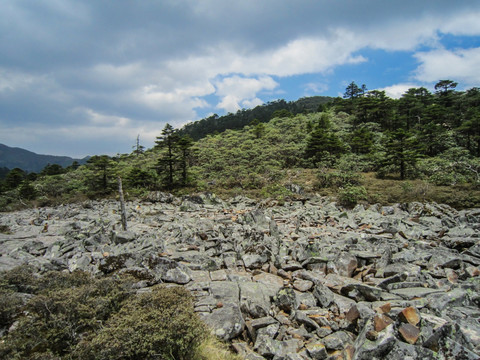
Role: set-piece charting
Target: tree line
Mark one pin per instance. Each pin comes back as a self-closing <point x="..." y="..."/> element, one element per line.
<point x="429" y="135"/>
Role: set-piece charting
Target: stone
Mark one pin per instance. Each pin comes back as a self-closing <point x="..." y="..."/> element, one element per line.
<point x="353" y="314"/>
<point x="416" y="292"/>
<point x="378" y="349"/>
<point x="254" y="261"/>
<point x="409" y="315"/>
<point x="122" y="237"/>
<point x="323" y="295"/>
<point x="337" y="341"/>
<point x="263" y="322"/>
<point x="303" y="319"/>
<point x="345" y="264"/>
<point x="286" y="300"/>
<point x="218" y="275"/>
<point x="409" y="333"/>
<point x="380" y="322"/>
<point x="267" y="347"/>
<point x="280" y="276"/>
<point x="316" y="350"/>
<point x="361" y="292"/>
<point x="302" y="285"/>
<point x="227" y="322"/>
<point x="253" y="301"/>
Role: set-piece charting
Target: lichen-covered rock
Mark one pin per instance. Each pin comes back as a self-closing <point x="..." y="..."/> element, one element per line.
<point x="294" y="281"/>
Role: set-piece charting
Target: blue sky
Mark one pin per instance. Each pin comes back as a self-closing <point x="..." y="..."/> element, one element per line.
<point x="86" y="77"/>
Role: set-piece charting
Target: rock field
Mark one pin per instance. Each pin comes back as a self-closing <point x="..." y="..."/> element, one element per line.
<point x="303" y="280"/>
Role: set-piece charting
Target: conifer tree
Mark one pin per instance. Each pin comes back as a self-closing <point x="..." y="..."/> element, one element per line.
<point x="168" y="142"/>
<point x="401" y="152"/>
<point x="185" y="144"/>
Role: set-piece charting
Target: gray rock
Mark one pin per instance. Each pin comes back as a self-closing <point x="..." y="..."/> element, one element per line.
<point x="316" y="350"/>
<point x="227" y="322"/>
<point x="254" y="261"/>
<point x="337" y="341"/>
<point x="366" y="349"/>
<point x="253" y="301"/>
<point x="323" y="295"/>
<point x="122" y="237"/>
<point x="267" y="347"/>
<point x="286" y="300"/>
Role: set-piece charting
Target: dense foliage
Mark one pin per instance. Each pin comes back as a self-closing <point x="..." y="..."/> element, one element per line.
<point x="429" y="137"/>
<point x="262" y="114"/>
<point x="77" y="316"/>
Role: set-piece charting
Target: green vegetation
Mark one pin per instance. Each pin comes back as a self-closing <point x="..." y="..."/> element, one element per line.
<point x="76" y="316"/>
<point x="322" y="144"/>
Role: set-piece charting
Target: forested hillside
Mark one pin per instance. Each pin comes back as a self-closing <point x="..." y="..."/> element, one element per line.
<point x="362" y="147"/>
<point x="261" y="113"/>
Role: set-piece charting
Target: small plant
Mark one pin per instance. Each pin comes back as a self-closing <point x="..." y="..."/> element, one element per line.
<point x="4" y="229"/>
<point x="156" y="325"/>
<point x="350" y="195"/>
<point x="275" y="191"/>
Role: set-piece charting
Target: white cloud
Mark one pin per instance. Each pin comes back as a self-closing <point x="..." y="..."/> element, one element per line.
<point x="396" y="91"/>
<point x="139" y="66"/>
<point x="459" y="65"/>
<point x="465" y="23"/>
<point x="236" y="90"/>
<point x="103" y="120"/>
<point x="315" y="88"/>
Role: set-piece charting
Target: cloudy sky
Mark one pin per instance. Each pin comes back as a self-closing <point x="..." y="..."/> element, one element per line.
<point x="85" y="77"/>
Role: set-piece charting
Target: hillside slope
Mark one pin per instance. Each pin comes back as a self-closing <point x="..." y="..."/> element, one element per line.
<point x="262" y="113"/>
<point x="13" y="157"/>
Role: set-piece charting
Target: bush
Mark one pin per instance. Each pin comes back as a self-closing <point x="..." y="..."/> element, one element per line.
<point x="351" y="195"/>
<point x="10" y="305"/>
<point x="156" y="325"/>
<point x="60" y="315"/>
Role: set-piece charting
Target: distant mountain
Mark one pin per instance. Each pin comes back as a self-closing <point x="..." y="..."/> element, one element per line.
<point x="262" y="113"/>
<point x="13" y="157"/>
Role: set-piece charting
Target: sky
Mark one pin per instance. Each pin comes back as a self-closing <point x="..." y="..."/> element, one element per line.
<point x="86" y="77"/>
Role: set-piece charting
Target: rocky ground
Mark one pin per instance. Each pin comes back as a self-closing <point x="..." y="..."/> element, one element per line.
<point x="302" y="280"/>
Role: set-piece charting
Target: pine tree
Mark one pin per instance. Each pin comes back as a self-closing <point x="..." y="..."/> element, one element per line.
<point x="401" y="152"/>
<point x="168" y="142"/>
<point x="102" y="167"/>
<point x="185" y="144"/>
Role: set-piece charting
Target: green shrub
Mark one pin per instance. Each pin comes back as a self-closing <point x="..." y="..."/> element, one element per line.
<point x="19" y="279"/>
<point x="350" y="195"/>
<point x="61" y="314"/>
<point x="157" y="325"/>
<point x="4" y="229"/>
<point x="275" y="191"/>
<point x="10" y="305"/>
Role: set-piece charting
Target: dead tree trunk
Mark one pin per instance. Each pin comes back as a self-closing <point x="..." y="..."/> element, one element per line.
<point x="122" y="204"/>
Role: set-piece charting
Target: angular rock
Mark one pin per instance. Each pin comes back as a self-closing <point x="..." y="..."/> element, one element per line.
<point x="323" y="295"/>
<point x="361" y="292"/>
<point x="409" y="333"/>
<point x="122" y="237"/>
<point x="227" y="322"/>
<point x="409" y="315"/>
<point x="316" y="350"/>
<point x="302" y="285"/>
<point x="378" y="349"/>
<point x="380" y="322"/>
<point x="253" y="301"/>
<point x="254" y="261"/>
<point x="286" y="300"/>
<point x="337" y="341"/>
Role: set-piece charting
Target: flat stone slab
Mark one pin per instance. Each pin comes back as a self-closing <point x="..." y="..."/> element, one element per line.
<point x="416" y="292"/>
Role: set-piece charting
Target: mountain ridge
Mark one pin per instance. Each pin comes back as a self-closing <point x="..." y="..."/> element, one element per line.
<point x="15" y="157"/>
